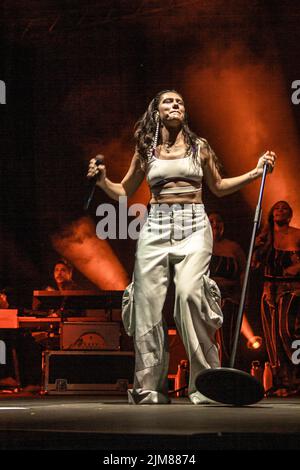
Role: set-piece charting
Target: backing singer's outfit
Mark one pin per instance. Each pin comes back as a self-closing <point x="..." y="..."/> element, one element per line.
<point x="281" y="316"/>
<point x="175" y="237"/>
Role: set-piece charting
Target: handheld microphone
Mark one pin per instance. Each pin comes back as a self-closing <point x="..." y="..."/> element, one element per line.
<point x="92" y="184"/>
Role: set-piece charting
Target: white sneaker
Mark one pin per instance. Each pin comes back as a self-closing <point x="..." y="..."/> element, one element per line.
<point x="198" y="399"/>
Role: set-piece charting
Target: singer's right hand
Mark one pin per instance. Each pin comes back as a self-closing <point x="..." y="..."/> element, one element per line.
<point x="97" y="168"/>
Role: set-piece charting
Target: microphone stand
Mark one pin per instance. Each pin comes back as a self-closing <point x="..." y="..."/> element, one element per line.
<point x="256" y="223"/>
<point x="226" y="384"/>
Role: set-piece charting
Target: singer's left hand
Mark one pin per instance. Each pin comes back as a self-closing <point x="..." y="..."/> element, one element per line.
<point x="268" y="157"/>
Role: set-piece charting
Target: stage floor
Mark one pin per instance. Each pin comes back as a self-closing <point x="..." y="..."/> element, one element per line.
<point x="109" y="423"/>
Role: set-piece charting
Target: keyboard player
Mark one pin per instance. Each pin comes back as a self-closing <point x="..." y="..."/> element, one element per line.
<point x="62" y="280"/>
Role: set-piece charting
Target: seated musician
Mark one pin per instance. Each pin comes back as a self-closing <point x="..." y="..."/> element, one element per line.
<point x="62" y="276"/>
<point x="62" y="281"/>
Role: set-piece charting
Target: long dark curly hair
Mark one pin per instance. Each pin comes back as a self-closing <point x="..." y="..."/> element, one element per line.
<point x="145" y="129"/>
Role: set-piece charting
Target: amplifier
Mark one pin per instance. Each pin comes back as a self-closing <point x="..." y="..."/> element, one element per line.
<point x="87" y="372"/>
<point x="90" y="336"/>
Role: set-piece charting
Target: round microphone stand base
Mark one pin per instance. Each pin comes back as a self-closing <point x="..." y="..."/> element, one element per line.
<point x="229" y="386"/>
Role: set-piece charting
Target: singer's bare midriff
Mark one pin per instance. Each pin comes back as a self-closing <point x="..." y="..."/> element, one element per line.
<point x="180" y="198"/>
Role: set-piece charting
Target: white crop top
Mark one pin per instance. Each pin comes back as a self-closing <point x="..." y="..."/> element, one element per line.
<point x="159" y="171"/>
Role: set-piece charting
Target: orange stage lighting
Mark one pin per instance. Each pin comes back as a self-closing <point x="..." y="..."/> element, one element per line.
<point x="253" y="341"/>
<point x="246" y="110"/>
<point x="93" y="257"/>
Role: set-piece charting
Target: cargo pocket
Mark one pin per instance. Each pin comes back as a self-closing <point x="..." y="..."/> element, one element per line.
<point x="128" y="309"/>
<point x="211" y="303"/>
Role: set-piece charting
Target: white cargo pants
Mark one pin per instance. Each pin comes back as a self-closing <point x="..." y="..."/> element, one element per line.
<point x="177" y="236"/>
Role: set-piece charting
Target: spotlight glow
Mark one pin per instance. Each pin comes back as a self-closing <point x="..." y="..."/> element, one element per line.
<point x="254" y="343"/>
<point x="94" y="258"/>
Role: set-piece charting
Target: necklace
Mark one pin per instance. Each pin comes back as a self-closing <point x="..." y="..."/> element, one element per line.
<point x="168" y="146"/>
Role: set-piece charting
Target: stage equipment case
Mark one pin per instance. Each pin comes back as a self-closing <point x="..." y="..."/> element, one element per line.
<point x="87" y="372"/>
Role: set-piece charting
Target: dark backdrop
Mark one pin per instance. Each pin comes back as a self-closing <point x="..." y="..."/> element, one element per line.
<point x="78" y="75"/>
